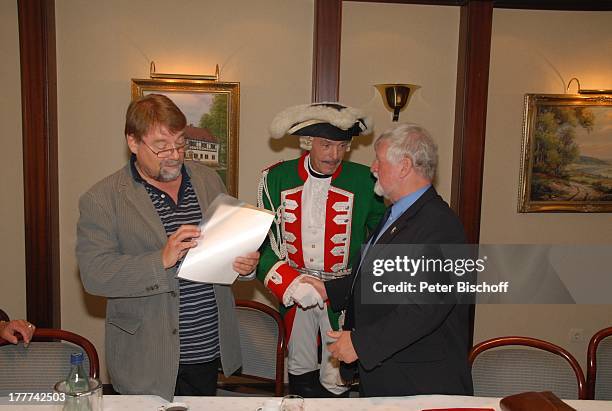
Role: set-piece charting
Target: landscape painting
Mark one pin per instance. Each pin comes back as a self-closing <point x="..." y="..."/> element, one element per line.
<point x="567" y="154"/>
<point x="212" y="111"/>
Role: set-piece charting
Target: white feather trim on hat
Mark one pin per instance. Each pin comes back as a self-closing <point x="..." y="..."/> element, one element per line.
<point x="319" y="113"/>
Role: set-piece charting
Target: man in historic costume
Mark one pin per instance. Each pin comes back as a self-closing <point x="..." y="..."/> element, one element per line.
<point x="324" y="209"/>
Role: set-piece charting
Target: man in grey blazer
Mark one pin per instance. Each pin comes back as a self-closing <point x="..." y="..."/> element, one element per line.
<point x="164" y="336"/>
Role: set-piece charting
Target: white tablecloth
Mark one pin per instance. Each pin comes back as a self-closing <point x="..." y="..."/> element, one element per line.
<point x="414" y="403"/>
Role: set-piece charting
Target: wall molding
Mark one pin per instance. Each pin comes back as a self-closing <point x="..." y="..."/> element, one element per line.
<point x="326" y="50"/>
<point x="471" y="113"/>
<point x="40" y="167"/>
<point x="575" y="5"/>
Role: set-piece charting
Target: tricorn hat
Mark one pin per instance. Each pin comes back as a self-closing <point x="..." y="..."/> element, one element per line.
<point x="332" y="121"/>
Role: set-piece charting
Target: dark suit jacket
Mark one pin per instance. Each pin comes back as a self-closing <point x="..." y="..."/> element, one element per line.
<point x="409" y="349"/>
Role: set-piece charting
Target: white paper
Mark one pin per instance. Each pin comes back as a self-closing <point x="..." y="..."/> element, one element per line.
<point x="230" y="228"/>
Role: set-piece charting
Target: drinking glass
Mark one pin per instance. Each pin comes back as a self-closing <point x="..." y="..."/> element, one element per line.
<point x="292" y="403"/>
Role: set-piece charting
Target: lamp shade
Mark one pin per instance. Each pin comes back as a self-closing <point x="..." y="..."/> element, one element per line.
<point x="396" y="96"/>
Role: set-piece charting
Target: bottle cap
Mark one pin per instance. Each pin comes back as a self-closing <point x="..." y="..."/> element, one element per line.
<point x="76" y="358"/>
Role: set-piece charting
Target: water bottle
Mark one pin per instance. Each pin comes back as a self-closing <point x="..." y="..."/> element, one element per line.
<point x="78" y="379"/>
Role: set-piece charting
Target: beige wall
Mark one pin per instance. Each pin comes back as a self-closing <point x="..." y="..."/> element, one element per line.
<point x="402" y="43"/>
<point x="265" y="45"/>
<point x="12" y="246"/>
<point x="538" y="52"/>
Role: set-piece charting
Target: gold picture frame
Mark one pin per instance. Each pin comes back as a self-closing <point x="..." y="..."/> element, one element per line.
<point x="212" y="109"/>
<point x="566" y="163"/>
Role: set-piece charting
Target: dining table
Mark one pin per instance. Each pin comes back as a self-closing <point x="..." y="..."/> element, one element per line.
<point x="243" y="403"/>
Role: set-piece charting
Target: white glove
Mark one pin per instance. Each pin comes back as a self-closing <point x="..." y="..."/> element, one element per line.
<point x="306" y="296"/>
<point x="330" y="376"/>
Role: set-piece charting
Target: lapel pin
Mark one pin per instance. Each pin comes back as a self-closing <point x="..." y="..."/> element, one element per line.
<point x="393" y="230"/>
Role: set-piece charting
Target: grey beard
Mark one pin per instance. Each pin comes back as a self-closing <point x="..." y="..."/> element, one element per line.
<point x="378" y="189"/>
<point x="165" y="175"/>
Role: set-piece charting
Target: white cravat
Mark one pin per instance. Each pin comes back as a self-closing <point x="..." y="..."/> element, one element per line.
<point x="314" y="207"/>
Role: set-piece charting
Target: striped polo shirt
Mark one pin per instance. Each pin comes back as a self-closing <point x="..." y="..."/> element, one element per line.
<point x="198" y="316"/>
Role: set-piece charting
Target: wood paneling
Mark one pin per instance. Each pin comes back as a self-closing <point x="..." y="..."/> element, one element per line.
<point x="515" y="4"/>
<point x="585" y="5"/>
<point x="326" y="53"/>
<point x="471" y="113"/>
<point x="39" y="117"/>
<point x="430" y="2"/>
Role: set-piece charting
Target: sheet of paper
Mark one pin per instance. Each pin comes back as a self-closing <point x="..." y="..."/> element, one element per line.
<point x="230" y="228"/>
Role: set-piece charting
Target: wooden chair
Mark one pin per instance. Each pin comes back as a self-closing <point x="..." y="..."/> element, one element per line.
<point x="510" y="365"/>
<point x="262" y="341"/>
<point x="44" y="362"/>
<point x="599" y="365"/>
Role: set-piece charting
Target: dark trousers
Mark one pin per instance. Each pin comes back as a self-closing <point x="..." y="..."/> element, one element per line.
<point x="308" y="386"/>
<point x="197" y="379"/>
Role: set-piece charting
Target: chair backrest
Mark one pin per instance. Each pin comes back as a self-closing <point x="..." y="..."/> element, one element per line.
<point x="262" y="341"/>
<point x="3" y="316"/>
<point x="599" y="365"/>
<point x="44" y="362"/>
<point x="510" y="365"/>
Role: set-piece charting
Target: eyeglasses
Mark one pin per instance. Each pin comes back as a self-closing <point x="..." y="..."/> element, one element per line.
<point x="167" y="152"/>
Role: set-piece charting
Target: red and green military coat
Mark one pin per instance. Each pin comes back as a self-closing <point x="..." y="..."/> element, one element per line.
<point x="352" y="211"/>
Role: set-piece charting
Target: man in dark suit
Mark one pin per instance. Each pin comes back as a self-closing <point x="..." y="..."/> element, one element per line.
<point x="407" y="348"/>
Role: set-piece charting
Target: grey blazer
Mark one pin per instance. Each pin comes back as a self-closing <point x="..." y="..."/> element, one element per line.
<point x="119" y="250"/>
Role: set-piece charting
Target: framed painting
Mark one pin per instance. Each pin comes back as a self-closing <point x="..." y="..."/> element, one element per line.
<point x="212" y="109"/>
<point x="566" y="163"/>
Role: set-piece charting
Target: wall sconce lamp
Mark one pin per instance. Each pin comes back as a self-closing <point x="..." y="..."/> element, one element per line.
<point x="156" y="75"/>
<point x="586" y="91"/>
<point x="396" y="96"/>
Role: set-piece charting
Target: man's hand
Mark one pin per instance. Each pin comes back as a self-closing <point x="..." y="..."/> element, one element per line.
<point x="343" y="348"/>
<point x="8" y="331"/>
<point x="317" y="284"/>
<point x="246" y="264"/>
<point x="179" y="243"/>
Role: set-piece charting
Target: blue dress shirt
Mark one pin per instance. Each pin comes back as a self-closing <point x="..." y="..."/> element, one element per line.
<point x="399" y="207"/>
